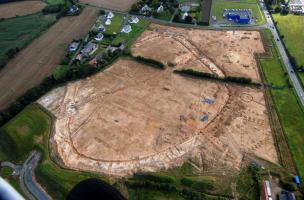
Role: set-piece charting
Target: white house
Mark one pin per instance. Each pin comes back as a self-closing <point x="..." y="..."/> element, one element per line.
<point x="133" y="20"/>
<point x="108" y="22"/>
<point x="110" y="15"/>
<point x="160" y="9"/>
<point x="99" y="37"/>
<point x="126" y="29"/>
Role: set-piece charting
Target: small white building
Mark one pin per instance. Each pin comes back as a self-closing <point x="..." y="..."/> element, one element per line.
<point x="108" y="22"/>
<point x="184" y="16"/>
<point x="126" y="29"/>
<point x="101" y="28"/>
<point x="160" y="9"/>
<point x="133" y="20"/>
<point x="110" y="15"/>
<point x="145" y="9"/>
<point x="99" y="37"/>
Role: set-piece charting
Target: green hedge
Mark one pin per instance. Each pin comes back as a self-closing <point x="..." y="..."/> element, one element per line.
<point x="149" y="61"/>
<point x="240" y="80"/>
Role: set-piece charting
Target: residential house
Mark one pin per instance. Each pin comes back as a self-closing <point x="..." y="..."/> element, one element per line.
<point x="133" y="20"/>
<point x="89" y="49"/>
<point x="126" y="29"/>
<point x="99" y="37"/>
<point x="73" y="46"/>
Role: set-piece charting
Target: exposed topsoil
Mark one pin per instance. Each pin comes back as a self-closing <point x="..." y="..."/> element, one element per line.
<point x="224" y="52"/>
<point x="132" y="117"/>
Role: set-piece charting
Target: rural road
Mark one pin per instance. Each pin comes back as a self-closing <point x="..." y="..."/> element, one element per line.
<point x="31" y="189"/>
<point x="27" y="177"/>
<point x="293" y="77"/>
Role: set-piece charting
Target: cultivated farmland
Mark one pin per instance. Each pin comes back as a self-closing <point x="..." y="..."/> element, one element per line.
<point x="118" y="5"/>
<point x="21" y="8"/>
<point x="38" y="59"/>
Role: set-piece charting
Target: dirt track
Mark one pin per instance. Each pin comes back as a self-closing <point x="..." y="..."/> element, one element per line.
<point x="120" y="5"/>
<point x="21" y="8"/>
<point x="37" y="60"/>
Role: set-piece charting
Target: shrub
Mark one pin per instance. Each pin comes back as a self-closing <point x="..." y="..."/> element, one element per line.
<point x="52" y="9"/>
<point x="154" y="178"/>
<point x="12" y="52"/>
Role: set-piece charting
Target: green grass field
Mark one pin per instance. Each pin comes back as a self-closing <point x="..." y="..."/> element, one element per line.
<point x="115" y="25"/>
<point x="218" y="7"/>
<point x="128" y="38"/>
<point x="292" y="26"/>
<point x="20" y="31"/>
<point x="53" y="2"/>
<point x="290" y="112"/>
<point x="28" y="130"/>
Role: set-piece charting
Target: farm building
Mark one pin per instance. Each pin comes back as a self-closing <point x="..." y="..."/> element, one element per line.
<point x="240" y="16"/>
<point x="297" y="6"/>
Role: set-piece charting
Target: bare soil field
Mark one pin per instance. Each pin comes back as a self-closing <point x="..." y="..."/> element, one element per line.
<point x="20" y="8"/>
<point x="119" y="5"/>
<point x="38" y="59"/>
<point x="132" y="117"/>
<point x="228" y="53"/>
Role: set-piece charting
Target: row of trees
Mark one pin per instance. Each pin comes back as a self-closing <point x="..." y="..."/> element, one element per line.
<point x="149" y="61"/>
<point x="232" y="79"/>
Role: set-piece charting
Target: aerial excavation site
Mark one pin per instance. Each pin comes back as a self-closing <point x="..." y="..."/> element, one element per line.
<point x="103" y="122"/>
<point x="151" y="100"/>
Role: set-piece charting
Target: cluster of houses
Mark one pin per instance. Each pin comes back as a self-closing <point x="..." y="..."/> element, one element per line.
<point x="146" y="10"/>
<point x="88" y="51"/>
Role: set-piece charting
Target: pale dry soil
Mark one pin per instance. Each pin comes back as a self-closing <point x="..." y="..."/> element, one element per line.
<point x="20" y="8"/>
<point x="229" y="53"/>
<point x="38" y="59"/>
<point x="132" y="117"/>
<point x="119" y="5"/>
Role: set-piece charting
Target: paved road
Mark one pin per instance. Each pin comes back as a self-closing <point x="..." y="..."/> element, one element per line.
<point x="293" y="77"/>
<point x="27" y="177"/>
<point x="31" y="189"/>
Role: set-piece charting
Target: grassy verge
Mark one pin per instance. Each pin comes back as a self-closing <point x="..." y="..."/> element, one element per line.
<point x="115" y="26"/>
<point x="286" y="104"/>
<point x="218" y="7"/>
<point x="30" y="129"/>
<point x="291" y="27"/>
<point x="20" y="31"/>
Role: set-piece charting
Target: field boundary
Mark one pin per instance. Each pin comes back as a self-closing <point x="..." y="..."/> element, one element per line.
<point x="284" y="154"/>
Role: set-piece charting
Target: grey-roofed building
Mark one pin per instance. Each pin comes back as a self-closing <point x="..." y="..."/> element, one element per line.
<point x="88" y="49"/>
